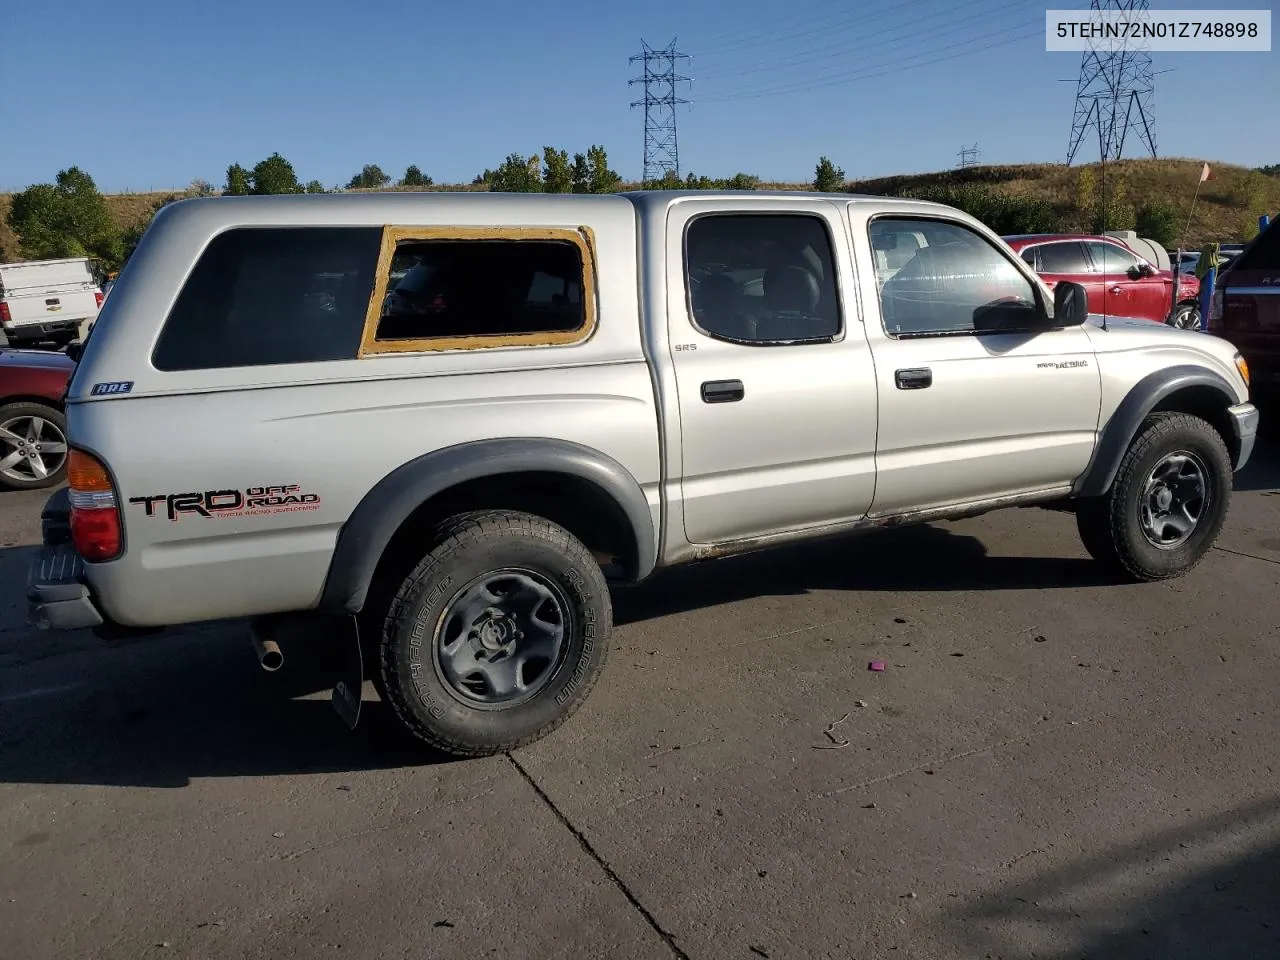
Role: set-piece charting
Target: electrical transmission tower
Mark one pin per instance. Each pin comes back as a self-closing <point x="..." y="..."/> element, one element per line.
<point x="1115" y="92"/>
<point x="661" y="147"/>
<point x="968" y="156"/>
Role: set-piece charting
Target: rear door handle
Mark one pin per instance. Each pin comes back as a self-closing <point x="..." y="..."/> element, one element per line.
<point x="913" y="378"/>
<point x="723" y="391"/>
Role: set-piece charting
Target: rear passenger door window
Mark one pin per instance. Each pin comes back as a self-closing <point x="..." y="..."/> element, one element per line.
<point x="762" y="279"/>
<point x="272" y="295"/>
<point x="1067" y="257"/>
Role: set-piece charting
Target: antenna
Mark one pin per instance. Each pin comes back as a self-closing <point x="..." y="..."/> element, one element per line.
<point x="661" y="146"/>
<point x="1115" y="92"/>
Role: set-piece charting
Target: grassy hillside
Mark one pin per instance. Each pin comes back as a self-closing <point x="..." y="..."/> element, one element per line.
<point x="1227" y="209"/>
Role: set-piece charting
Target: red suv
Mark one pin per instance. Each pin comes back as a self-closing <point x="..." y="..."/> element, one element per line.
<point x="1119" y="282"/>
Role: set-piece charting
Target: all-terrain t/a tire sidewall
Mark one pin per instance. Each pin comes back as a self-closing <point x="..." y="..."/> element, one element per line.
<point x="1164" y="434"/>
<point x="476" y="545"/>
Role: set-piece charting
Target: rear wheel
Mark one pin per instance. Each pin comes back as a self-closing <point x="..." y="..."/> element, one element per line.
<point x="33" y="446"/>
<point x="1167" y="504"/>
<point x="497" y="636"/>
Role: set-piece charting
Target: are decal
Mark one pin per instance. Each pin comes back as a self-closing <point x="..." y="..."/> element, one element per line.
<point x="218" y="504"/>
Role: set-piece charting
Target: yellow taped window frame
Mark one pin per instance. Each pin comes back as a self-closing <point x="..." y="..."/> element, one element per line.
<point x="582" y="238"/>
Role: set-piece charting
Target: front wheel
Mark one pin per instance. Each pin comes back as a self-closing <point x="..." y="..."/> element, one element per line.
<point x="497" y="636"/>
<point x="1186" y="317"/>
<point x="1167" y="504"/>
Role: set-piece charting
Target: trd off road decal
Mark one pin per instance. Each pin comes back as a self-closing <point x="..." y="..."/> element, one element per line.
<point x="249" y="502"/>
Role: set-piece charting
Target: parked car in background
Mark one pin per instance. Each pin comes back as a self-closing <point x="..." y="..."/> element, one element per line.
<point x="48" y="300"/>
<point x="33" y="428"/>
<point x="1245" y="307"/>
<point x="1118" y="281"/>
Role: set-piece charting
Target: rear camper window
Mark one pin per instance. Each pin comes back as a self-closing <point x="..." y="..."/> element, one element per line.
<point x="272" y="295"/>
<point x="462" y="288"/>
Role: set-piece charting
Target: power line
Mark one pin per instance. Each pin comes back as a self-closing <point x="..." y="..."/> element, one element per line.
<point x="718" y="39"/>
<point x="661" y="146"/>
<point x="1110" y="83"/>
<point x="893" y="66"/>
<point x="815" y="28"/>
<point x="844" y="49"/>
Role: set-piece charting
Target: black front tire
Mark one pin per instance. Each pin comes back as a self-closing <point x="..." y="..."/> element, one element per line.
<point x="483" y="547"/>
<point x="1112" y="527"/>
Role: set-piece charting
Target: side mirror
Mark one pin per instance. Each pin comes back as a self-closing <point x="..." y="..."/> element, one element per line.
<point x="1070" y="304"/>
<point x="75" y="350"/>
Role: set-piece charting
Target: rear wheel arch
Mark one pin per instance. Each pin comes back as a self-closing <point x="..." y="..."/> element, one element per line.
<point x="587" y="492"/>
<point x="1185" y="389"/>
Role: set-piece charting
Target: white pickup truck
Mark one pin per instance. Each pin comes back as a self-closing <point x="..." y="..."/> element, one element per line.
<point x="444" y="466"/>
<point x="48" y="299"/>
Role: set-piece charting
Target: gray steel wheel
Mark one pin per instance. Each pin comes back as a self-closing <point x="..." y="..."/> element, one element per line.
<point x="1186" y="317"/>
<point x="501" y="638"/>
<point x="1177" y="492"/>
<point x="33" y="446"/>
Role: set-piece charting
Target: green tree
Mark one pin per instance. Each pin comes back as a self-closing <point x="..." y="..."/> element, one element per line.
<point x="742" y="181"/>
<point x="315" y="186"/>
<point x="1086" y="193"/>
<point x="827" y="177"/>
<point x="275" y="175"/>
<point x="413" y="177"/>
<point x="370" y="177"/>
<point x="68" y="218"/>
<point x="1112" y="211"/>
<point x="557" y="174"/>
<point x="580" y="174"/>
<point x="133" y="233"/>
<point x="515" y="175"/>
<point x="600" y="179"/>
<point x="238" y="182"/>
<point x="1158" y="221"/>
<point x="200" y="188"/>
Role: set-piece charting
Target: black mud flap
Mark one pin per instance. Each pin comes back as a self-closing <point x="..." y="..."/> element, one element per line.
<point x="347" y="691"/>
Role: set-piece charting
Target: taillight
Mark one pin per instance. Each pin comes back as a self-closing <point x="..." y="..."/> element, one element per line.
<point x="5" y="316"/>
<point x="1215" y="307"/>
<point x="95" y="513"/>
<point x="98" y="295"/>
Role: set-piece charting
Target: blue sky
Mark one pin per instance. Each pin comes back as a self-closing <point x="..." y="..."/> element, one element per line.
<point x="146" y="94"/>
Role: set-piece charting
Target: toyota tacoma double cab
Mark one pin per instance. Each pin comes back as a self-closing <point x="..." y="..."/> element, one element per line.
<point x="444" y="423"/>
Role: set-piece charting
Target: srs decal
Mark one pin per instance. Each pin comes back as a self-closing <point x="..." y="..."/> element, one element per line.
<point x="221" y="504"/>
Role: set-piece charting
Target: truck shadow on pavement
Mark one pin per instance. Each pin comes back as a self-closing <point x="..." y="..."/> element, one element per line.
<point x="918" y="558"/>
<point x="1204" y="891"/>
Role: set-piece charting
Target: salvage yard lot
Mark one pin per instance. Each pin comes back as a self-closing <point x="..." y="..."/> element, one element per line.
<point x="1049" y="765"/>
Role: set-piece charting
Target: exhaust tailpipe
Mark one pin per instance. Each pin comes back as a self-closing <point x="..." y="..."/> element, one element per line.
<point x="268" y="651"/>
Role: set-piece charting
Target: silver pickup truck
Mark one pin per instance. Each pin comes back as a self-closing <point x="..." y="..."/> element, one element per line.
<point x="444" y="422"/>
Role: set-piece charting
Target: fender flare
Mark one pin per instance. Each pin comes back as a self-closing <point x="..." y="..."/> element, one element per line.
<point x="380" y="513"/>
<point x="1133" y="409"/>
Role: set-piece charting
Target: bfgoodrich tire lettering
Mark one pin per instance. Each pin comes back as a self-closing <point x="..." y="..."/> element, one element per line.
<point x="525" y="591"/>
<point x="1172" y="456"/>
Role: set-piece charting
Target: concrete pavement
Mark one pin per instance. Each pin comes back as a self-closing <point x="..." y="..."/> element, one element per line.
<point x="1049" y="766"/>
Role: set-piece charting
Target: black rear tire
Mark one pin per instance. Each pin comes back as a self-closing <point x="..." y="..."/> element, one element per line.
<point x="1128" y="529"/>
<point x="466" y="655"/>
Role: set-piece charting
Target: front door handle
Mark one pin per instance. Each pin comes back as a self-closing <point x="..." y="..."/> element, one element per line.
<point x="913" y="378"/>
<point x="1115" y="290"/>
<point x="723" y="391"/>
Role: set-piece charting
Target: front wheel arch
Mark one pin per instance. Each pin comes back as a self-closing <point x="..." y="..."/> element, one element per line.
<point x="1183" y="389"/>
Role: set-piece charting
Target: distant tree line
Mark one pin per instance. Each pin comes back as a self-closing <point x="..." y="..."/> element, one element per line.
<point x="70" y="218"/>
